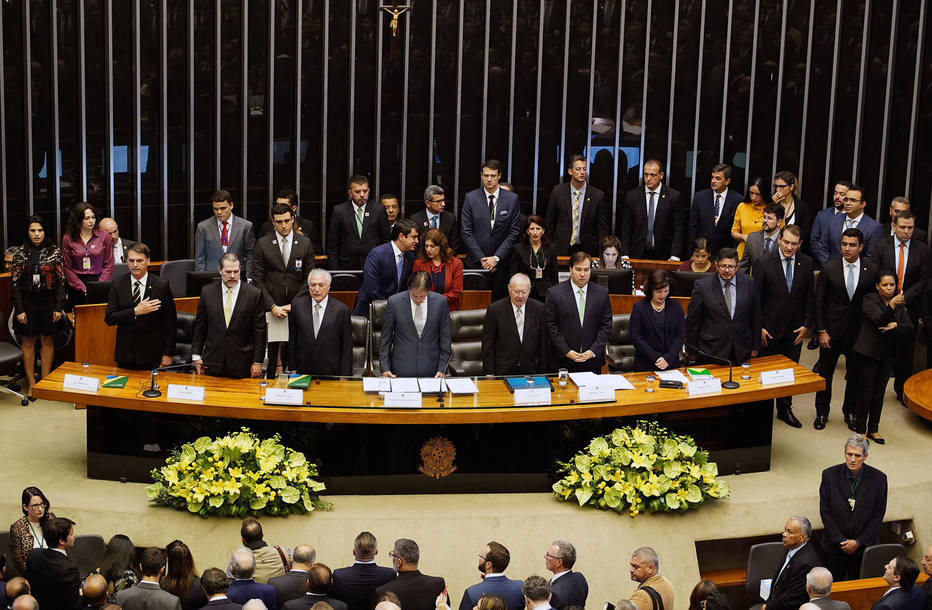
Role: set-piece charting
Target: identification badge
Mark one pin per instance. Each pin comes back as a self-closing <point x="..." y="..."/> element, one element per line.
<point x="297" y="264"/>
<point x="86" y="263"/>
<point x="36" y="278"/>
<point x="538" y="273"/>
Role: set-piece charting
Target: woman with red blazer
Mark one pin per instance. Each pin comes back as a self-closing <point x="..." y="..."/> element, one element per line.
<point x="445" y="270"/>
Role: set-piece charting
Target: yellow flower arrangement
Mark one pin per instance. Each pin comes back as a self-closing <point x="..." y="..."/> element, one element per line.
<point x="645" y="468"/>
<point x="237" y="475"/>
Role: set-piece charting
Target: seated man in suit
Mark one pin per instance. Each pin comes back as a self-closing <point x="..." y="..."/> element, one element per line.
<point x="225" y="233"/>
<point x="435" y="216"/>
<point x="514" y="334"/>
<point x="901" y="573"/>
<point x="415" y="590"/>
<point x="304" y="226"/>
<point x="820" y="251"/>
<point x="788" y="586"/>
<point x="578" y="216"/>
<point x="819" y="587"/>
<point x="536" y="591"/>
<point x="215" y="584"/>
<point x="319" y="578"/>
<point x="653" y="219"/>
<point x="494" y="559"/>
<point x="897" y="205"/>
<point x="120" y="245"/>
<point x="54" y="580"/>
<point x="415" y="338"/>
<point x="762" y="242"/>
<point x="147" y="594"/>
<point x="244" y="587"/>
<point x="713" y="210"/>
<point x="292" y="584"/>
<point x="229" y="329"/>
<point x="724" y="314"/>
<point x="387" y="267"/>
<point x="567" y="588"/>
<point x="854" y="218"/>
<point x="355" y="584"/>
<point x="579" y="319"/>
<point x="320" y="331"/>
<point x="645" y="570"/>
<point x="356" y="226"/>
<point x="142" y="308"/>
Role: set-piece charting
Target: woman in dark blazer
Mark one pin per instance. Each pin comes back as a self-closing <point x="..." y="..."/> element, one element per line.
<point x="883" y="315"/>
<point x="536" y="257"/>
<point x="658" y="326"/>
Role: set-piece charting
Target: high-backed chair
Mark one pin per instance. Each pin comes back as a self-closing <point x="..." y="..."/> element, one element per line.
<point x="184" y="335"/>
<point x="764" y="560"/>
<point x="619" y="352"/>
<point x="476" y="279"/>
<point x="376" y="317"/>
<point x="176" y="274"/>
<point x="876" y="557"/>
<point x="119" y="270"/>
<point x="11" y="359"/>
<point x="11" y="570"/>
<point x="344" y="281"/>
<point x="360" y="344"/>
<point x="466" y="336"/>
<point x="87" y="552"/>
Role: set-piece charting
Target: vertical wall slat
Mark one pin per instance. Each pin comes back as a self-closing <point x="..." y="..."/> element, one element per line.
<point x="82" y="104"/>
<point x="779" y="104"/>
<point x="404" y="113"/>
<point x="676" y="31"/>
<point x="218" y="96"/>
<point x="377" y="173"/>
<point x="163" y="123"/>
<point x="747" y="145"/>
<point x="51" y="158"/>
<point x="3" y="192"/>
<point x="646" y="72"/>
<point x="324" y="115"/>
<point x="618" y="87"/>
<point x="566" y="71"/>
<point x="540" y="65"/>
<point x="862" y="84"/>
<point x="270" y="114"/>
<point x="459" y="108"/>
<point x="190" y="146"/>
<point x="432" y="102"/>
<point x="885" y="133"/>
<point x="588" y="131"/>
<point x="137" y="120"/>
<point x="511" y="88"/>
<point x="299" y="56"/>
<point x="805" y="123"/>
<point x="27" y="104"/>
<point x="351" y="116"/>
<point x="692" y="180"/>
<point x="721" y="141"/>
<point x="485" y="77"/>
<point x="914" y="113"/>
<point x="831" y="105"/>
<point x="244" y="104"/>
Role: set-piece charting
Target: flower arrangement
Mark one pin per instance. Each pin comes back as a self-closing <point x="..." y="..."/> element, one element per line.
<point x="237" y="475"/>
<point x="640" y="468"/>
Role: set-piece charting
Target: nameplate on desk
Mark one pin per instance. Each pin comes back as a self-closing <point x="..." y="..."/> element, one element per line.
<point x="597" y="393"/>
<point x="279" y="396"/>
<point x="81" y="382"/>
<point x="177" y="391"/>
<point x="532" y="396"/>
<point x="704" y="386"/>
<point x="403" y="400"/>
<point x="774" y="377"/>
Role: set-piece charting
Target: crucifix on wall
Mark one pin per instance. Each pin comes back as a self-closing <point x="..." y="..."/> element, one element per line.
<point x="395" y="11"/>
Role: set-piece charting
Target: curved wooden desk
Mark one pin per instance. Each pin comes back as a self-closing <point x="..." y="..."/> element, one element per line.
<point x="917" y="394"/>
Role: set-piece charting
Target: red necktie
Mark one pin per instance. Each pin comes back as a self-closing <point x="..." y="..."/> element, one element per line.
<point x="224" y="235"/>
<point x="899" y="269"/>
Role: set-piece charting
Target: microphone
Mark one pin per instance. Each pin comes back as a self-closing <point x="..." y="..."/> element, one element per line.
<point x="728" y="385"/>
<point x="153" y="390"/>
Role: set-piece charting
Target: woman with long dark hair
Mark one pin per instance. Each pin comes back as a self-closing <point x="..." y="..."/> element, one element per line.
<point x="180" y="577"/>
<point x="658" y="326"/>
<point x="86" y="252"/>
<point x="436" y="257"/>
<point x="535" y="257"/>
<point x="118" y="566"/>
<point x="749" y="215"/>
<point x="26" y="532"/>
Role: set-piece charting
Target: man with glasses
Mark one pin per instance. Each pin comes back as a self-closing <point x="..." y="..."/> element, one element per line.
<point x="435" y="216"/>
<point x="567" y="588"/>
<point x="713" y="210"/>
<point x="514" y="334"/>
<point x="822" y="220"/>
<point x="853" y="218"/>
<point x="653" y="220"/>
<point x="493" y="560"/>
<point x="415" y="590"/>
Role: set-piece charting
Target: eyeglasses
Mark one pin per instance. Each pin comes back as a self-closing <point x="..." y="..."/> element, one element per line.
<point x="853" y="199"/>
<point x="36" y="506"/>
<point x="780" y="186"/>
<point x="549" y="556"/>
<point x="482" y="558"/>
<point x="392" y="555"/>
<point x="728" y="267"/>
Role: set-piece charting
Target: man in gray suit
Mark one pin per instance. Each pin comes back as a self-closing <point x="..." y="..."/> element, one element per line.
<point x="416" y="331"/>
<point x="765" y="239"/>
<point x="223" y="234"/>
<point x="819" y="587"/>
<point x="148" y="595"/>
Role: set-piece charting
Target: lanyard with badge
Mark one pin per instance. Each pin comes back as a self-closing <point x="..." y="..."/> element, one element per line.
<point x="36" y="276"/>
<point x="86" y="262"/>
<point x="37" y="536"/>
<point x="535" y="257"/>
<point x="854" y="488"/>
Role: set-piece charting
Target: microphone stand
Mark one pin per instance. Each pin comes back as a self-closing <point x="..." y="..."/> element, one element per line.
<point x="728" y="385"/>
<point x="153" y="390"/>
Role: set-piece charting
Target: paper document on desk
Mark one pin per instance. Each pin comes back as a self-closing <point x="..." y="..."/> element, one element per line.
<point x="584" y="378"/>
<point x="765" y="588"/>
<point x="430" y="384"/>
<point x="460" y="385"/>
<point x="376" y="384"/>
<point x="619" y="381"/>
<point x="672" y="375"/>
<point x="278" y="328"/>
<point x="405" y="384"/>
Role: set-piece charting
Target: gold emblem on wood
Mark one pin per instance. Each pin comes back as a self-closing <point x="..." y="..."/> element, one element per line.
<point x="437" y="456"/>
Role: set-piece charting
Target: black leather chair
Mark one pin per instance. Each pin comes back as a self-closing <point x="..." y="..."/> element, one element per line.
<point x="376" y="317"/>
<point x="184" y="335"/>
<point x="466" y="336"/>
<point x="876" y="557"/>
<point x="87" y="552"/>
<point x="763" y="561"/>
<point x="619" y="352"/>
<point x="11" y="362"/>
<point x="360" y="344"/>
<point x="176" y="274"/>
<point x="476" y="279"/>
<point x="11" y="571"/>
<point x="346" y="281"/>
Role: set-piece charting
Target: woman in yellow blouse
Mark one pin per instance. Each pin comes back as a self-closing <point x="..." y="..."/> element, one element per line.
<point x="750" y="214"/>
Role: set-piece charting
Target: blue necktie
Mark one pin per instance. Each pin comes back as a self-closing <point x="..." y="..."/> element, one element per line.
<point x="850" y="283"/>
<point x="650" y="221"/>
<point x="399" y="264"/>
<point x="789" y="274"/>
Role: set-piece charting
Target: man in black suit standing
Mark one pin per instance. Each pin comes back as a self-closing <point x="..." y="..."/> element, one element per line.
<point x="899" y="204"/>
<point x="514" y="334"/>
<point x="319" y="579"/>
<point x="724" y="314"/>
<point x="415" y="590"/>
<point x="215" y="584"/>
<point x="653" y="220"/>
<point x="293" y="584"/>
<point x="713" y="210"/>
<point x="435" y="216"/>
<point x="787" y="299"/>
<point x="901" y="574"/>
<point x="356" y="226"/>
<point x="840" y="289"/>
<point x="579" y="319"/>
<point x="304" y="226"/>
<point x="229" y="329"/>
<point x="852" y="503"/>
<point x="320" y="331"/>
<point x="788" y="586"/>
<point x="355" y="584"/>
<point x="142" y="308"/>
<point x="281" y="263"/>
<point x="578" y="217"/>
<point x="53" y="578"/>
<point x="908" y="257"/>
<point x="120" y="245"/>
<point x="567" y="588"/>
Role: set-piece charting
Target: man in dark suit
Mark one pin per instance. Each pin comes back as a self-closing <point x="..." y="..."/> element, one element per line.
<point x="724" y="314"/>
<point x="318" y="583"/>
<point x="293" y="584"/>
<point x="764" y="241"/>
<point x="490" y="227"/>
<point x="415" y="338"/>
<point x="53" y="578"/>
<point x="225" y="233"/>
<point x="215" y="584"/>
<point x="304" y="226"/>
<point x="653" y="219"/>
<point x="852" y="503"/>
<point x="244" y="587"/>
<point x="147" y="594"/>
<point x="578" y="216"/>
<point x="787" y="299"/>
<point x="840" y="289"/>
<point x="387" y="267"/>
<point x="854" y="218"/>
<point x="142" y="308"/>
<point x="579" y="319"/>
<point x="493" y="561"/>
<point x="281" y="264"/>
<point x="356" y="227"/>
<point x="415" y="590"/>
<point x="819" y="588"/>
<point x="94" y="589"/>
<point x="713" y="210"/>
<point x="320" y="331"/>
<point x="355" y="584"/>
<point x="435" y="216"/>
<point x="514" y="334"/>
<point x="392" y="209"/>
<point x="120" y="245"/>
<point x="567" y="588"/>
<point x="229" y="329"/>
<point x="821" y="251"/>
<point x="788" y="586"/>
<point x="899" y="204"/>
<point x="901" y="573"/>
<point x="908" y="257"/>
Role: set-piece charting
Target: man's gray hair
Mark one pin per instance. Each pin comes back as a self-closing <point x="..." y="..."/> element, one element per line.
<point x="649" y="555"/>
<point x="320" y="271"/>
<point x="520" y="277"/>
<point x="899" y="199"/>
<point x="242" y="563"/>
<point x="432" y="191"/>
<point x="304" y="553"/>
<point x="804" y="525"/>
<point x="566" y="553"/>
<point x="856" y="442"/>
<point x="407" y="550"/>
<point x="819" y="581"/>
<point x="255" y="604"/>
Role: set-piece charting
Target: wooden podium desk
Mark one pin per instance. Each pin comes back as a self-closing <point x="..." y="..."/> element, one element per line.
<point x="365" y="447"/>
